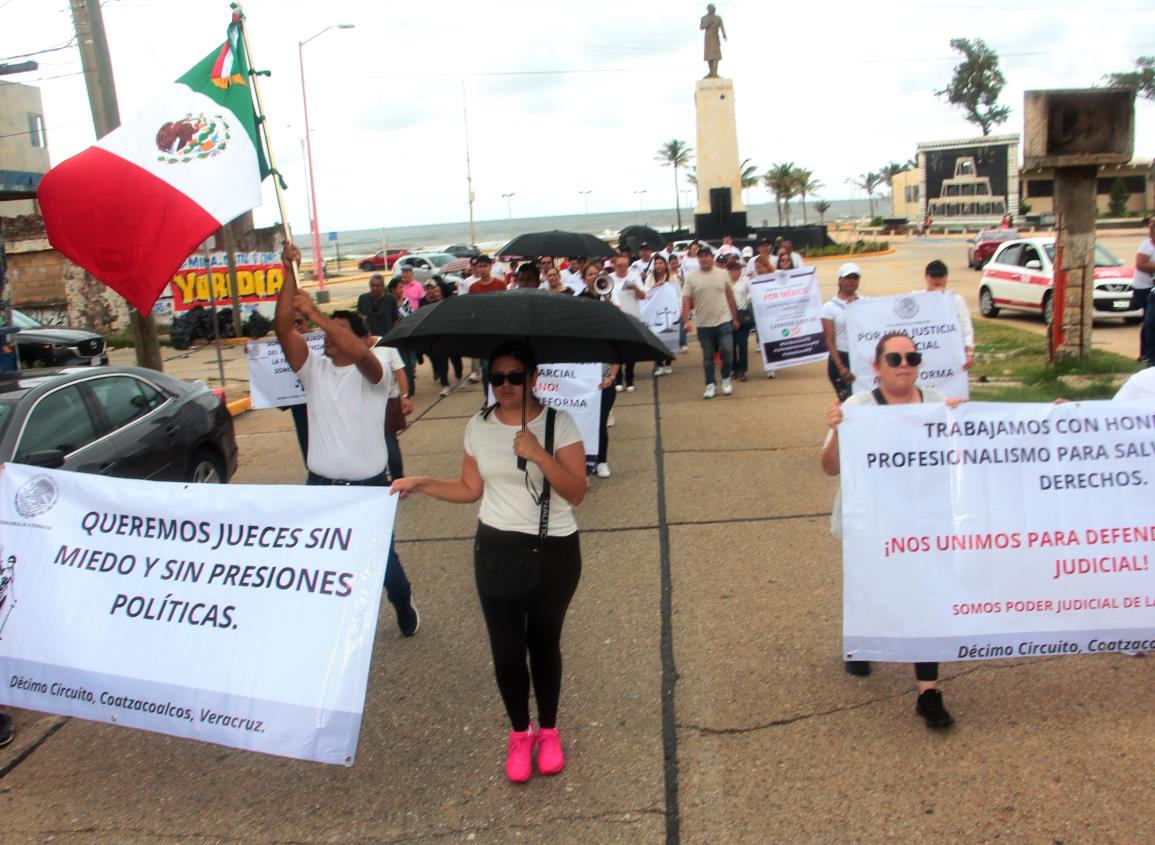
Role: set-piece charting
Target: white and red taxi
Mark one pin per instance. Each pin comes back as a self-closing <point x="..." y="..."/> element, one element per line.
<point x="1021" y="276"/>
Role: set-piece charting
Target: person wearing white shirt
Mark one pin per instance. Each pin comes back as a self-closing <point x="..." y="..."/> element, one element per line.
<point x="645" y="264"/>
<point x="834" y="328"/>
<point x="629" y="291"/>
<point x="740" y="284"/>
<point x="787" y="248"/>
<point x="1141" y="285"/>
<point x="678" y="275"/>
<point x="727" y="248"/>
<point x="762" y="250"/>
<point x="936" y="279"/>
<point x="572" y="276"/>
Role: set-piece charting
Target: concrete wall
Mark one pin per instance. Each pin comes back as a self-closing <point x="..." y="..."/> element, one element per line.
<point x="906" y="196"/>
<point x="51" y="288"/>
<point x="1138" y="171"/>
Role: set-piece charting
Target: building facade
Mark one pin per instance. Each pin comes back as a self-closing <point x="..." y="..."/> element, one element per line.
<point x="23" y="148"/>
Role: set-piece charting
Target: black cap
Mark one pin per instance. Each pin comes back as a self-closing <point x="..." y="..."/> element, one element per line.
<point x="936" y="268"/>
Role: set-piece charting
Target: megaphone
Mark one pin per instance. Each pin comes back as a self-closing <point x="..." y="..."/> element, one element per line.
<point x="603" y="285"/>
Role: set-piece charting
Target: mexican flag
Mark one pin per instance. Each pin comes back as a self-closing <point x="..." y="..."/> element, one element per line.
<point x="133" y="207"/>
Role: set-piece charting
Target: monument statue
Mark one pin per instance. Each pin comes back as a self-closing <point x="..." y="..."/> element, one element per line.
<point x="712" y="24"/>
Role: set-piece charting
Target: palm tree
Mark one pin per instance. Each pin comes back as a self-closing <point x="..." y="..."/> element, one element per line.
<point x="748" y="173"/>
<point x="822" y="206"/>
<point x="868" y="182"/>
<point x="781" y="181"/>
<point x="676" y="153"/>
<point x="890" y="170"/>
<point x="807" y="184"/>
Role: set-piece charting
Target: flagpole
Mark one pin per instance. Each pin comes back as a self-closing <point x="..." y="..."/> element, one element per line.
<point x="213" y="311"/>
<point x="264" y="124"/>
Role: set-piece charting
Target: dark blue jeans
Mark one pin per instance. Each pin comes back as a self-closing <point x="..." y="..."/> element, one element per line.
<point x="741" y="350"/>
<point x="396" y="583"/>
<point x="714" y="339"/>
<point x="1147" y="333"/>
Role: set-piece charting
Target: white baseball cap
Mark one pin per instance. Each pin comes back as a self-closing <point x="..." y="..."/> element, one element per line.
<point x="849" y="269"/>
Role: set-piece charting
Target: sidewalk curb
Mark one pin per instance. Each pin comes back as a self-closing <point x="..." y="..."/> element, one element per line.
<point x="849" y="256"/>
<point x="240" y="406"/>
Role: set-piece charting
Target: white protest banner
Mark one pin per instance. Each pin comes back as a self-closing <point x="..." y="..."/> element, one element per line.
<point x="662" y="314"/>
<point x="272" y="382"/>
<point x="929" y="318"/>
<point x="997" y="530"/>
<point x="243" y="615"/>
<point x="788" y="318"/>
<point x="572" y="388"/>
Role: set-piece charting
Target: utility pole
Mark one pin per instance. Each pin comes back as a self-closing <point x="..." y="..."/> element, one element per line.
<point x="94" y="58"/>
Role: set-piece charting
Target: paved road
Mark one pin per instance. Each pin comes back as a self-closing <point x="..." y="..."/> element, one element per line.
<point x="704" y="700"/>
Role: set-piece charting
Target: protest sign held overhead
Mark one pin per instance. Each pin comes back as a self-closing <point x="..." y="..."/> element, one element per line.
<point x="788" y="318"/>
<point x="272" y="382"/>
<point x="997" y="530"/>
<point x="931" y="321"/>
<point x="245" y="618"/>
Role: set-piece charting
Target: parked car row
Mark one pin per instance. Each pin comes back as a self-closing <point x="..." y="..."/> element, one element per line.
<point x="387" y="259"/>
<point x="127" y="422"/>
<point x="56" y="346"/>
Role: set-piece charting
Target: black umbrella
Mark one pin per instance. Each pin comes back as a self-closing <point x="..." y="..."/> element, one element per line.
<point x="557" y="242"/>
<point x="556" y="328"/>
<point x="634" y="237"/>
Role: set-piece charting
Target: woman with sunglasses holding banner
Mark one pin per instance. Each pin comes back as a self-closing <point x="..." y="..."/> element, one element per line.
<point x="527" y="556"/>
<point x="896" y="362"/>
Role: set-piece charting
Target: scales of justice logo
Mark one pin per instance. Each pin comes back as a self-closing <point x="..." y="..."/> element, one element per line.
<point x="7" y="595"/>
<point x="192" y="138"/>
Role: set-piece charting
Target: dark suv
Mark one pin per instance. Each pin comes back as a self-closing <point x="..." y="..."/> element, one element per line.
<point x="56" y="346"/>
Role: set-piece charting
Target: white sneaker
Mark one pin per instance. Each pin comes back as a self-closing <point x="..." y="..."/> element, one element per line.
<point x="610" y="420"/>
<point x="683" y="348"/>
<point x="771" y="374"/>
<point x="659" y="371"/>
<point x="474" y="378"/>
<point x="603" y="470"/>
<point x="669" y="369"/>
<point x="629" y="388"/>
<point x="711" y="392"/>
<point x="445" y="391"/>
<point x="459" y="384"/>
<point x="727" y="388"/>
<point x="618" y="388"/>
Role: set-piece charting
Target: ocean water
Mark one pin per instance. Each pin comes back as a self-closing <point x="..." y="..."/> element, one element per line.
<point x="492" y="234"/>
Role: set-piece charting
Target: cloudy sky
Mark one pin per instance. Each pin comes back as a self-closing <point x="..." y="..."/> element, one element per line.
<point x="567" y="96"/>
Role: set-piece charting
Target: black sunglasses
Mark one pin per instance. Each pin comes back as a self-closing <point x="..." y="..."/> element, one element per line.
<point x="893" y="359"/>
<point x="517" y="379"/>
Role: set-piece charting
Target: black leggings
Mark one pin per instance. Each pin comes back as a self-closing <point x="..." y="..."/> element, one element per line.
<point x="926" y="671"/>
<point x="532" y="625"/>
<point x="609" y="396"/>
<point x="841" y="388"/>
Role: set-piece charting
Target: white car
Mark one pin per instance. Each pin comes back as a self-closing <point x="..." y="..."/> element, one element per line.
<point x="1021" y="276"/>
<point x="440" y="266"/>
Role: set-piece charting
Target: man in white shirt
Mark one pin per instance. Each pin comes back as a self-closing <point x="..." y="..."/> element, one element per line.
<point x="1142" y="284"/>
<point x="571" y="276"/>
<point x="345" y="391"/>
<point x="644" y="266"/>
<point x="727" y="248"/>
<point x="762" y="249"/>
<point x="629" y="291"/>
<point x="936" y="279"/>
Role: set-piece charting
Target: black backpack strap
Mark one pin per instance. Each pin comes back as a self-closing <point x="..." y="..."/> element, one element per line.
<point x="878" y="397"/>
<point x="543" y="524"/>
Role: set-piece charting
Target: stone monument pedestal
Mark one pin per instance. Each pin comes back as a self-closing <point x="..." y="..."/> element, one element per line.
<point x="720" y="210"/>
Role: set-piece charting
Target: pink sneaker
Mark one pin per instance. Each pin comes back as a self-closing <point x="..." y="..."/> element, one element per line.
<point x="550" y="757"/>
<point x="519" y="762"/>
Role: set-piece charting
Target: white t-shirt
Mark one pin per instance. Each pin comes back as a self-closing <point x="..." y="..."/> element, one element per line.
<point x="1144" y="280"/>
<point x="741" y="290"/>
<point x="506" y="503"/>
<point x="727" y="249"/>
<point x="626" y="299"/>
<point x="835" y="311"/>
<point x="346" y="418"/>
<point x="572" y="280"/>
<point x="643" y="268"/>
<point x="392" y="361"/>
<point x="1139" y="388"/>
<point x="688" y="265"/>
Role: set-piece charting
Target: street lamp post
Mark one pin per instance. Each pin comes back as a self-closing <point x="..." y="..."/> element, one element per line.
<point x="318" y="261"/>
<point x="509" y="205"/>
<point x="585" y="195"/>
<point x="639" y="194"/>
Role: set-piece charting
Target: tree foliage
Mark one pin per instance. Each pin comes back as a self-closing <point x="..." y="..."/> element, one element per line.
<point x="976" y="84"/>
<point x="675" y="153"/>
<point x="1142" y="78"/>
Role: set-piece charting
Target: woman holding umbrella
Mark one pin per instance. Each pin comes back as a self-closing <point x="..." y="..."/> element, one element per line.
<point x="527" y="555"/>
